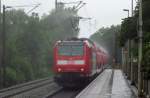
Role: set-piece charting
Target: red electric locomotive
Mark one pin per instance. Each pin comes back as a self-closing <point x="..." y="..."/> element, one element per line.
<point x="76" y="61"/>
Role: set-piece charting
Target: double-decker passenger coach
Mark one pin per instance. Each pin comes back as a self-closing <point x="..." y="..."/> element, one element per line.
<point x="76" y="61"/>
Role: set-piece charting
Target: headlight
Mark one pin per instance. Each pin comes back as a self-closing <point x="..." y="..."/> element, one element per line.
<point x="59" y="69"/>
<point x="82" y="69"/>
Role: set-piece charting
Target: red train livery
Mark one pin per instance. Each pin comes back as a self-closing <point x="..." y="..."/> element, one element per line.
<point x="76" y="61"/>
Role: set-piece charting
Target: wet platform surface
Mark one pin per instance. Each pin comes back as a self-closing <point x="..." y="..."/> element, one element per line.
<point x="109" y="84"/>
<point x="120" y="87"/>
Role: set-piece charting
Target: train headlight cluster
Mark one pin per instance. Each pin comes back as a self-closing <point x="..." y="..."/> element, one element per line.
<point x="82" y="69"/>
<point x="59" y="69"/>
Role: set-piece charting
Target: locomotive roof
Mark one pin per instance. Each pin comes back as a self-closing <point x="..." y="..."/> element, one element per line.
<point x="77" y="41"/>
<point x="70" y="43"/>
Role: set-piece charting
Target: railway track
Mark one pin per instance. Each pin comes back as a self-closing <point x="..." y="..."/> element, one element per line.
<point x="34" y="89"/>
<point x="64" y="93"/>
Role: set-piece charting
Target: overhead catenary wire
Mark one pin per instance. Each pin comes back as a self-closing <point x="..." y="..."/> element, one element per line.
<point x="33" y="8"/>
<point x="79" y="7"/>
<point x="72" y="2"/>
<point x="23" y="6"/>
<point x="79" y="3"/>
<point x="32" y="5"/>
<point x="76" y="8"/>
<point x="89" y="24"/>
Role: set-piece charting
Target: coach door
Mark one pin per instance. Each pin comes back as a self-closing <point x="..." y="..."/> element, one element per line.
<point x="93" y="62"/>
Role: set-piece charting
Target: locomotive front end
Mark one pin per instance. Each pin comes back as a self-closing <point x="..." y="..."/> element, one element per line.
<point x="70" y="63"/>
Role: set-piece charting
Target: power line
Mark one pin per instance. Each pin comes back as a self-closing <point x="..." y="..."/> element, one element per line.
<point x="72" y="2"/>
<point x="80" y="4"/>
<point x="32" y="5"/>
<point x="79" y="7"/>
<point x="23" y="6"/>
<point x="33" y="8"/>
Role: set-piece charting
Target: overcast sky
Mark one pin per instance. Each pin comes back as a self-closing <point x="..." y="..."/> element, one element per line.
<point x="103" y="12"/>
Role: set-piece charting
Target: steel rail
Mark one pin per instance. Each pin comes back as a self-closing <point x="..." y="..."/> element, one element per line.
<point x="25" y="87"/>
<point x="53" y="93"/>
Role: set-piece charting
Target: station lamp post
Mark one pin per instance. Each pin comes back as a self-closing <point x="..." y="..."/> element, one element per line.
<point x="127" y="10"/>
<point x="124" y="50"/>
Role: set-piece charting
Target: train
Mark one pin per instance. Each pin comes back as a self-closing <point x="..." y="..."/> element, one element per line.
<point x="77" y="61"/>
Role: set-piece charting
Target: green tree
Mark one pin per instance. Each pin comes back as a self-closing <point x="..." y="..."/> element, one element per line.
<point x="30" y="41"/>
<point x="129" y="30"/>
<point x="107" y="38"/>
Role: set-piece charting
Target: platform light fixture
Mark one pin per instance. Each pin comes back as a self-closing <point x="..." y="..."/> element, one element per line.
<point x="127" y="10"/>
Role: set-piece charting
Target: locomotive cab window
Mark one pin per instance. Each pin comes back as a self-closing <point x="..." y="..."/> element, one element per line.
<point x="71" y="50"/>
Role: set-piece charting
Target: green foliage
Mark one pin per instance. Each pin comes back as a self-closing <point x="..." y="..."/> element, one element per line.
<point x="146" y="59"/>
<point x="107" y="38"/>
<point x="11" y="76"/>
<point x="146" y="15"/>
<point x="128" y="31"/>
<point x="30" y="40"/>
<point x="146" y="37"/>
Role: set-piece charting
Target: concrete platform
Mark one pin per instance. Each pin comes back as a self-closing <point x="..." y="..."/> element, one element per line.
<point x="109" y="84"/>
<point x="120" y="87"/>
